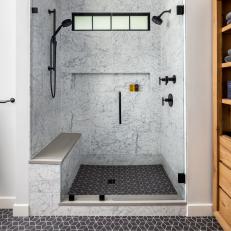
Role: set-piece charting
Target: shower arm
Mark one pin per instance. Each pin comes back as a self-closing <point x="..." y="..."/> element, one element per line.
<point x="166" y="11"/>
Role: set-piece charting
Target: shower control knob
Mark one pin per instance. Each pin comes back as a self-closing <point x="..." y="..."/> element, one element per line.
<point x="168" y="100"/>
<point x="164" y="80"/>
<point x="167" y="79"/>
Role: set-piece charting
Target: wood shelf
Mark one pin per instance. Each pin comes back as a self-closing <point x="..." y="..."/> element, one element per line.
<point x="226" y="28"/>
<point x="226" y="65"/>
<point x="226" y="101"/>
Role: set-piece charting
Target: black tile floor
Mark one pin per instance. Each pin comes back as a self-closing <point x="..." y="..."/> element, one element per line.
<point x="8" y="222"/>
<point x="122" y="180"/>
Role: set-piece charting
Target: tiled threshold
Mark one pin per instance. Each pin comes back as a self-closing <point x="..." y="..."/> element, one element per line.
<point x="92" y="202"/>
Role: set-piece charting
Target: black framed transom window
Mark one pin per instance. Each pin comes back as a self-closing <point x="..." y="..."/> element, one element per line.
<point x="111" y="21"/>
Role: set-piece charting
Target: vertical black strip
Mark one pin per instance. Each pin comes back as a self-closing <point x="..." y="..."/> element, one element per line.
<point x="120" y="118"/>
<point x="149" y="26"/>
<point x="129" y="22"/>
<point x="92" y="22"/>
<point x="111" y="22"/>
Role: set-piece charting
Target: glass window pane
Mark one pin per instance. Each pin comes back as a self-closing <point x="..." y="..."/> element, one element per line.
<point x="139" y="22"/>
<point x="83" y="23"/>
<point x="120" y="22"/>
<point x="101" y="22"/>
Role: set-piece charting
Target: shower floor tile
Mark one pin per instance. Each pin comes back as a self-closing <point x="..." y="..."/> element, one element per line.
<point x="122" y="180"/>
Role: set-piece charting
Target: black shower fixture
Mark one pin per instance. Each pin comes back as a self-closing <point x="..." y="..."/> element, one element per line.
<point x="168" y="100"/>
<point x="167" y="79"/>
<point x="53" y="46"/>
<point x="157" y="19"/>
<point x="65" y="23"/>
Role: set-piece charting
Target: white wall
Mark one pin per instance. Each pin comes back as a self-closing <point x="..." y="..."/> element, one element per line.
<point x="199" y="105"/>
<point x="23" y="106"/>
<point x="7" y="111"/>
<point x="198" y="91"/>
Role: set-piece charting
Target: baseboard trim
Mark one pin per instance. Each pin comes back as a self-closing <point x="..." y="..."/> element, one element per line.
<point x="7" y="202"/>
<point x="199" y="209"/>
<point x="21" y="210"/>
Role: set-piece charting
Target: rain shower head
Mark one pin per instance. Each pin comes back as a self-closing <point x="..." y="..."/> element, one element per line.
<point x="65" y="23"/>
<point x="157" y="19"/>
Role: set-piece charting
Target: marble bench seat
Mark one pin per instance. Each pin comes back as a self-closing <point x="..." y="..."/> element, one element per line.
<point x="52" y="171"/>
<point x="57" y="150"/>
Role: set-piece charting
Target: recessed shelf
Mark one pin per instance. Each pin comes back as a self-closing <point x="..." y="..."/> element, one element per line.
<point x="226" y="28"/>
<point x="226" y="65"/>
<point x="226" y="101"/>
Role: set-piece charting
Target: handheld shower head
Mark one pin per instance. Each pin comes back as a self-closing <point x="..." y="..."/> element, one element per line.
<point x="65" y="23"/>
<point x="157" y="19"/>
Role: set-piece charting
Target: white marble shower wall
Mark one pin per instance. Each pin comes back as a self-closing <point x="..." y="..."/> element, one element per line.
<point x="45" y="111"/>
<point x="172" y="119"/>
<point x="91" y="107"/>
<point x="94" y="67"/>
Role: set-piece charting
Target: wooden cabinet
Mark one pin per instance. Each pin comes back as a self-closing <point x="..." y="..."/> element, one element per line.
<point x="221" y="115"/>
<point x="225" y="179"/>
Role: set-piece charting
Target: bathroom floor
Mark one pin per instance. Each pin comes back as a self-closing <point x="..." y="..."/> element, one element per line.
<point x="8" y="222"/>
<point x="122" y="180"/>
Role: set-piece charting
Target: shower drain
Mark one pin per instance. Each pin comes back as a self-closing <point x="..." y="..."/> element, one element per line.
<point x="111" y="181"/>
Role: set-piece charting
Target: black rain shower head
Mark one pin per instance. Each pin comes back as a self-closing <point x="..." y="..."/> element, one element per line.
<point x="65" y="23"/>
<point x="157" y="19"/>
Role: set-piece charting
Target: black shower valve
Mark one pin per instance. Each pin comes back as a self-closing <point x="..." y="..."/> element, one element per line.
<point x="167" y="79"/>
<point x="168" y="100"/>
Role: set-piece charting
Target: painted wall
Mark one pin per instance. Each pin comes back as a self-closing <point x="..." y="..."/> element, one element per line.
<point x="199" y="105"/>
<point x="22" y="55"/>
<point x="7" y="111"/>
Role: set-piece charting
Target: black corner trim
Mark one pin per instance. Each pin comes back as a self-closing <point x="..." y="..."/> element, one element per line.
<point x="71" y="197"/>
<point x="180" y="9"/>
<point x="102" y="197"/>
<point x="181" y="178"/>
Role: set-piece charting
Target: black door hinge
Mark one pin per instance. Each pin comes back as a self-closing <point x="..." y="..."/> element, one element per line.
<point x="181" y="178"/>
<point x="34" y="10"/>
<point x="180" y="9"/>
<point x="101" y="197"/>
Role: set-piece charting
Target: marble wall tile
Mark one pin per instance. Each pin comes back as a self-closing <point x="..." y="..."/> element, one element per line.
<point x="106" y="159"/>
<point x="69" y="168"/>
<point x="45" y="111"/>
<point x="91" y="104"/>
<point x="44" y="178"/>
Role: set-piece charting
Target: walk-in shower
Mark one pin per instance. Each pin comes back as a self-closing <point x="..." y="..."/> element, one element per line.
<point x="120" y="91"/>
